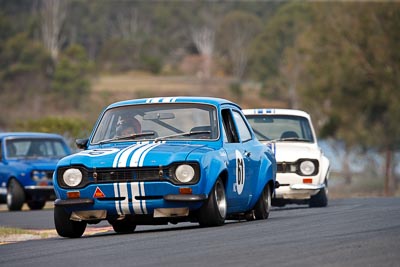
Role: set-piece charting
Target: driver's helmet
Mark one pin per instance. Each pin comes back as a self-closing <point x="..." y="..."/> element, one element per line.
<point x="128" y="126"/>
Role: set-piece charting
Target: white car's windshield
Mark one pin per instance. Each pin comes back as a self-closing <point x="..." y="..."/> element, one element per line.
<point x="35" y="147"/>
<point x="157" y="122"/>
<point x="281" y="127"/>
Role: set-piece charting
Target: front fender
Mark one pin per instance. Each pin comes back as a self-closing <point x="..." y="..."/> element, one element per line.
<point x="325" y="167"/>
<point x="20" y="172"/>
<point x="212" y="173"/>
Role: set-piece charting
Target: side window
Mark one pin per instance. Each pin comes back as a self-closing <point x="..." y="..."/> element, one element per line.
<point x="59" y="149"/>
<point x="244" y="131"/>
<point x="306" y="129"/>
<point x="229" y="126"/>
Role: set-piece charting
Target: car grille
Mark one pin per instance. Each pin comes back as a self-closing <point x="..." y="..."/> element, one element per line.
<point x="130" y="174"/>
<point x="284" y="167"/>
<point x="126" y="175"/>
<point x="49" y="175"/>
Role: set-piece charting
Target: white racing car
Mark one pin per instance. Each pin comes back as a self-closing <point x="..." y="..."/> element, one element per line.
<point x="302" y="168"/>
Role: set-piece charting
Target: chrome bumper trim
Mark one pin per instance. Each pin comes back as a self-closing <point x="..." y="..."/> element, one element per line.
<point x="39" y="187"/>
<point x="307" y="186"/>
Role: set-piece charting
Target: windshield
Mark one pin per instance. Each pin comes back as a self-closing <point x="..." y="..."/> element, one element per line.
<point x="281" y="127"/>
<point x="35" y="147"/>
<point x="157" y="122"/>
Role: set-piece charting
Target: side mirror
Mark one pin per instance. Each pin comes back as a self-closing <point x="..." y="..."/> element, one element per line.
<point x="82" y="143"/>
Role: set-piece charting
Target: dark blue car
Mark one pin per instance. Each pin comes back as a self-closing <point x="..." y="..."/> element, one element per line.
<point x="27" y="163"/>
<point x="165" y="160"/>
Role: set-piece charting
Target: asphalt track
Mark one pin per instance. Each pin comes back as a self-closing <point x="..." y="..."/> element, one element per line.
<point x="349" y="232"/>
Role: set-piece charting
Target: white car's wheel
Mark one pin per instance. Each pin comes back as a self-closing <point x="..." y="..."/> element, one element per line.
<point x="320" y="199"/>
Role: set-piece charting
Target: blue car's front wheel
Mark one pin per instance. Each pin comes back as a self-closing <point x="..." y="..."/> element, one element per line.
<point x="15" y="195"/>
<point x="66" y="227"/>
<point x="213" y="211"/>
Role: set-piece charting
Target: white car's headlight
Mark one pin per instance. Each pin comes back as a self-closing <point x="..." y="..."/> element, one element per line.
<point x="307" y="167"/>
<point x="72" y="177"/>
<point x="184" y="173"/>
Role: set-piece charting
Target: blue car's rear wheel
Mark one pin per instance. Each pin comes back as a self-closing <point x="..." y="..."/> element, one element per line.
<point x="263" y="205"/>
<point x="64" y="226"/>
<point x="213" y="211"/>
<point x="123" y="226"/>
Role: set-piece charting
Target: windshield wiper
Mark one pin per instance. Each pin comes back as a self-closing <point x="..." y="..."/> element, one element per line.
<point x="162" y="138"/>
<point x="126" y="137"/>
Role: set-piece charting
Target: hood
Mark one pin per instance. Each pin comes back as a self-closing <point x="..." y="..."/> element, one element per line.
<point x="137" y="155"/>
<point x="35" y="164"/>
<point x="292" y="151"/>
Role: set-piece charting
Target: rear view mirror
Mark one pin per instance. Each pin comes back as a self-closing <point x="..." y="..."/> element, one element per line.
<point x="81" y="143"/>
<point x="158" y="116"/>
<point x="265" y="119"/>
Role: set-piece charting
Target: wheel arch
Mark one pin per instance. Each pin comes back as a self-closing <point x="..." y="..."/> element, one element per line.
<point x="211" y="178"/>
<point x="267" y="176"/>
<point x="325" y="168"/>
<point x="16" y="179"/>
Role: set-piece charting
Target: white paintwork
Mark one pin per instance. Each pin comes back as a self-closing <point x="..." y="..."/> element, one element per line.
<point x="291" y="151"/>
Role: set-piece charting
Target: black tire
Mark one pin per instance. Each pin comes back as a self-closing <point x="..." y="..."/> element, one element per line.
<point x="263" y="205"/>
<point x="64" y="226"/>
<point x="15" y="195"/>
<point x="278" y="202"/>
<point x="123" y="226"/>
<point x="320" y="199"/>
<point x="213" y="211"/>
<point x="36" y="204"/>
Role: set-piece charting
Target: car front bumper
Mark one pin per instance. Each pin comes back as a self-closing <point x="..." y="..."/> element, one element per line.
<point x="41" y="192"/>
<point x="89" y="201"/>
<point x="171" y="205"/>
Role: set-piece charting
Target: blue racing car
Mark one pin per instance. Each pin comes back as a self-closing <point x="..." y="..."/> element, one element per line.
<point x="165" y="160"/>
<point x="27" y="163"/>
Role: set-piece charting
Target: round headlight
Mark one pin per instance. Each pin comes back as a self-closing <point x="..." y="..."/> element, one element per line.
<point x="35" y="175"/>
<point x="307" y="167"/>
<point x="184" y="173"/>
<point x="72" y="177"/>
<point x="38" y="175"/>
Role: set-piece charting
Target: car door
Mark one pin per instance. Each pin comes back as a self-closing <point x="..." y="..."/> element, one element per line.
<point x="238" y="191"/>
<point x="252" y="152"/>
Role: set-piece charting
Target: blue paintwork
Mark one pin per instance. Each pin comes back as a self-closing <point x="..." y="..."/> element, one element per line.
<point x="20" y="168"/>
<point x="215" y="157"/>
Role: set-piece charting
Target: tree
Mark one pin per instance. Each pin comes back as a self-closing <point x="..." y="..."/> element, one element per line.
<point x="71" y="78"/>
<point x="276" y="58"/>
<point x="353" y="75"/>
<point x="25" y="77"/>
<point x="203" y="30"/>
<point x="53" y="14"/>
<point x="204" y="39"/>
<point x="234" y="35"/>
